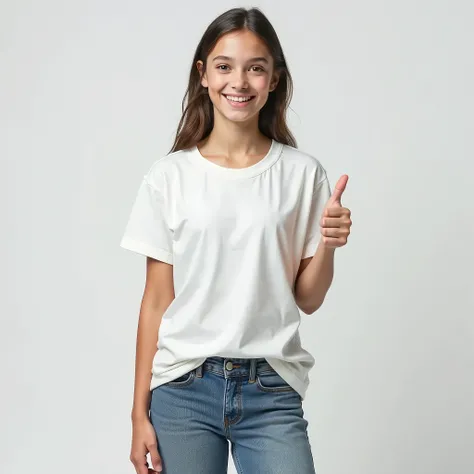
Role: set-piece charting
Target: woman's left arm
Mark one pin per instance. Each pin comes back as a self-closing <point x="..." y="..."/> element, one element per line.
<point x="315" y="274"/>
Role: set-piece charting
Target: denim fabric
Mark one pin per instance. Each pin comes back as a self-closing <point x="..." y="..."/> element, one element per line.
<point x="241" y="402"/>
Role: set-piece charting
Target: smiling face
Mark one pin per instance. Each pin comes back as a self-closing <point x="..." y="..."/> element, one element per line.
<point x="239" y="75"/>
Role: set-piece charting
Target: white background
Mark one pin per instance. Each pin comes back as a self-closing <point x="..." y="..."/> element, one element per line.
<point x="91" y="95"/>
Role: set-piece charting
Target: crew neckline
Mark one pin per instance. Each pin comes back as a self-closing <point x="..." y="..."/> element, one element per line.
<point x="268" y="160"/>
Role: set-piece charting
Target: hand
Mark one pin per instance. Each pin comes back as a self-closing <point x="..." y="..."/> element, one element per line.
<point x="335" y="222"/>
<point x="144" y="441"/>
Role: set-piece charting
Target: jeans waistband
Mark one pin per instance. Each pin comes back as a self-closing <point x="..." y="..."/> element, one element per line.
<point x="229" y="367"/>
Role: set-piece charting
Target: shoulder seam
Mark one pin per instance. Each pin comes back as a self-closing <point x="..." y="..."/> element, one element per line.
<point x="152" y="186"/>
<point x="316" y="187"/>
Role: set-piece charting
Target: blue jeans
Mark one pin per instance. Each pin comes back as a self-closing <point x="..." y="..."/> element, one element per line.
<point x="241" y="402"/>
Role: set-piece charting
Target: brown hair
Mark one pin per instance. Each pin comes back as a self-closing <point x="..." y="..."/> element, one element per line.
<point x="197" y="119"/>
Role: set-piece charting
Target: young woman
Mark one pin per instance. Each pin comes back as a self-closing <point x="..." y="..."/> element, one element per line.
<point x="239" y="229"/>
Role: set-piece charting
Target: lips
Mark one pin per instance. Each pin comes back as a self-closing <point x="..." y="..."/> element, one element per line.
<point x="251" y="97"/>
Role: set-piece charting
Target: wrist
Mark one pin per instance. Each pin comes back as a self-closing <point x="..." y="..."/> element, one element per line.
<point x="140" y="418"/>
<point x="138" y="415"/>
<point x="324" y="247"/>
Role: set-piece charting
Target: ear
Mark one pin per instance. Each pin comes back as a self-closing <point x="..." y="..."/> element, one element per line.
<point x="200" y="66"/>
<point x="274" y="82"/>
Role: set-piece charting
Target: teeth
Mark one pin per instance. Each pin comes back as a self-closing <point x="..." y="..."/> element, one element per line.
<point x="238" y="99"/>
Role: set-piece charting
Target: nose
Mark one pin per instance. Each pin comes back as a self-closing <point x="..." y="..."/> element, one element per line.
<point x="239" y="80"/>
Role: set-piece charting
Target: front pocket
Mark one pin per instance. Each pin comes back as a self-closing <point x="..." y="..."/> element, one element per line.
<point x="182" y="380"/>
<point x="273" y="382"/>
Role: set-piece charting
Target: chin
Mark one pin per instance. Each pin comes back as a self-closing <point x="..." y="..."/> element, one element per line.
<point x="235" y="115"/>
<point x="238" y="117"/>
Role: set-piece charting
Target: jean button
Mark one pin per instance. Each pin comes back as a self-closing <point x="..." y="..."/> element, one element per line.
<point x="229" y="365"/>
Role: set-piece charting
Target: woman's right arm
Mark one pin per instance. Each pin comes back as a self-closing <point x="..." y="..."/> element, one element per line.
<point x="157" y="296"/>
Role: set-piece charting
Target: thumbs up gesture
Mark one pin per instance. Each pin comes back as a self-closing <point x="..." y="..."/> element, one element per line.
<point x="336" y="220"/>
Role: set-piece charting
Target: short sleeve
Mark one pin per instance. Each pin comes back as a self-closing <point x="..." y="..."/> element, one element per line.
<point x="321" y="194"/>
<point x="147" y="231"/>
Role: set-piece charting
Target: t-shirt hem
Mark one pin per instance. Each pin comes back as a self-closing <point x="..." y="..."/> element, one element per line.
<point x="289" y="376"/>
<point x="147" y="250"/>
<point x="311" y="248"/>
<point x="169" y="375"/>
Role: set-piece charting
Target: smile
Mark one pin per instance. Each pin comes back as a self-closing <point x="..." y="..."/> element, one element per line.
<point x="238" y="101"/>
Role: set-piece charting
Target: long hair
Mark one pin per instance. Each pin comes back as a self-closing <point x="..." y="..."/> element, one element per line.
<point x="197" y="119"/>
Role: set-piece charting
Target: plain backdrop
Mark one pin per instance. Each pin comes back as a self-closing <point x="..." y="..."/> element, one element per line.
<point x="91" y="96"/>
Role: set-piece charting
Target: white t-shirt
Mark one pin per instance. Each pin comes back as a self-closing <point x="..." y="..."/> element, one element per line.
<point x="235" y="238"/>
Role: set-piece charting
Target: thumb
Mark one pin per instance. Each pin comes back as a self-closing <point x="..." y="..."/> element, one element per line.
<point x="155" y="457"/>
<point x="338" y="190"/>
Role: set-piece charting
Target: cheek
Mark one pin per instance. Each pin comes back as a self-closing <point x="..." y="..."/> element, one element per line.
<point x="215" y="83"/>
<point x="261" y="84"/>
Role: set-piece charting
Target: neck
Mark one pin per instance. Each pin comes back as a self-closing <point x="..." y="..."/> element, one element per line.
<point x="235" y="139"/>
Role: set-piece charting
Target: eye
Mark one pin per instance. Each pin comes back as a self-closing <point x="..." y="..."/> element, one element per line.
<point x="221" y="65"/>
<point x="259" y="67"/>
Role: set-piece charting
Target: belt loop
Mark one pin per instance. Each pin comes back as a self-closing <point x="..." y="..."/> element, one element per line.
<point x="253" y="370"/>
<point x="199" y="371"/>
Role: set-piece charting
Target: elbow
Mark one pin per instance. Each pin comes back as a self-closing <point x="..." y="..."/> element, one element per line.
<point x="309" y="309"/>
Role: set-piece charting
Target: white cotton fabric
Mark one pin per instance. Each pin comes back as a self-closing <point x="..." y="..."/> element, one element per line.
<point x="235" y="238"/>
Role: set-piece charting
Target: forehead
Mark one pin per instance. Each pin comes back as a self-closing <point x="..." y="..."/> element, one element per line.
<point x="240" y="45"/>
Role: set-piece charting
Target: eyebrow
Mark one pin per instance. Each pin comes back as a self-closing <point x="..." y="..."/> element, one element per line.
<point x="228" y="58"/>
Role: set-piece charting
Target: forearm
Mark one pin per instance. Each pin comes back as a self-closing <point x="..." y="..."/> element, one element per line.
<point x="315" y="280"/>
<point x="146" y="347"/>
